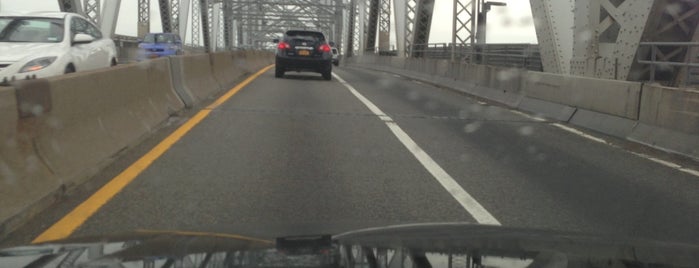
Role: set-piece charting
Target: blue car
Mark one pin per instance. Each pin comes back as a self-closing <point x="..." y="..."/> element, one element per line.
<point x="155" y="45"/>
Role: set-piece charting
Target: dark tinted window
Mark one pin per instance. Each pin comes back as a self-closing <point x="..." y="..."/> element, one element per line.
<point x="161" y="38"/>
<point x="304" y="36"/>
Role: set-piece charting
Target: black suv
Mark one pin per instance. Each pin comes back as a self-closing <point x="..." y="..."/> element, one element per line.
<point x="303" y="51"/>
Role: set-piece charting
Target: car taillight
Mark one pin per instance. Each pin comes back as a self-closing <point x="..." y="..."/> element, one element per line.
<point x="324" y="48"/>
<point x="283" y="45"/>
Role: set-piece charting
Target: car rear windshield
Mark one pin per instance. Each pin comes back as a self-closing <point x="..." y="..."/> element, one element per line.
<point x="34" y="30"/>
<point x="160" y="38"/>
<point x="304" y="36"/>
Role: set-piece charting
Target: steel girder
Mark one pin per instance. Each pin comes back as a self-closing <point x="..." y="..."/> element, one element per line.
<point x="73" y="6"/>
<point x="606" y="37"/>
<point x="372" y="24"/>
<point x="423" y="23"/>
<point x="143" y="17"/>
<point x="669" y="21"/>
<point x="165" y="19"/>
<point x="385" y="25"/>
<point x="258" y="22"/>
<point x="109" y="17"/>
<point x="196" y="25"/>
<point x="401" y="25"/>
<point x="463" y="25"/>
<point x="351" y="31"/>
<point x="92" y="10"/>
<point x="205" y="24"/>
<point x="555" y="33"/>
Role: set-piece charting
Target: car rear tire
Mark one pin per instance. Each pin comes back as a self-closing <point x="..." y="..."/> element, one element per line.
<point x="327" y="74"/>
<point x="278" y="72"/>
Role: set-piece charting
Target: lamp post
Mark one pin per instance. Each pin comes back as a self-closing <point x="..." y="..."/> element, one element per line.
<point x="483" y="19"/>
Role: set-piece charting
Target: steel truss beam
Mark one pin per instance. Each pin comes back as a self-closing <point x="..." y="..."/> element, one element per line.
<point x="73" y="6"/>
<point x="385" y="25"/>
<point x="165" y="19"/>
<point x="464" y="24"/>
<point x="258" y="22"/>
<point x="372" y="24"/>
<point x="423" y="22"/>
<point x="143" y="17"/>
<point x="92" y="10"/>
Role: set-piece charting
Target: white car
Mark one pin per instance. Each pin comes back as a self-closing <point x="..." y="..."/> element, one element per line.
<point x="36" y="45"/>
<point x="336" y="57"/>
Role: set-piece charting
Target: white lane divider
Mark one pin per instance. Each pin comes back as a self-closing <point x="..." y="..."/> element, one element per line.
<point x="579" y="133"/>
<point x="539" y="119"/>
<point x="464" y="198"/>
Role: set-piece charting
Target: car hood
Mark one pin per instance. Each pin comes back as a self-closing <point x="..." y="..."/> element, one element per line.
<point x="14" y="51"/>
<point x="421" y="245"/>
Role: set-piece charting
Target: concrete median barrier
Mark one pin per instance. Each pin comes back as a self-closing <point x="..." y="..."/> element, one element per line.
<point x="97" y="114"/>
<point x="229" y="67"/>
<point x="669" y="118"/>
<point x="93" y="117"/>
<point x="197" y="76"/>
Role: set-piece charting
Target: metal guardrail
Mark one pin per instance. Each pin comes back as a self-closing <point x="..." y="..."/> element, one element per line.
<point x="525" y="56"/>
<point x="690" y="64"/>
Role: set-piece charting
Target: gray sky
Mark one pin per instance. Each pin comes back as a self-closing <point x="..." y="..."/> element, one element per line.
<point x="510" y="24"/>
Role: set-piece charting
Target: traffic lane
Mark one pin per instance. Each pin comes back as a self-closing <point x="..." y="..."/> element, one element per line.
<point x="532" y="174"/>
<point x="289" y="169"/>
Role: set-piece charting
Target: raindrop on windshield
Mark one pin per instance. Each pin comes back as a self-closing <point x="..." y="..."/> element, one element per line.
<point x="526" y="130"/>
<point x="7" y="173"/>
<point x="413" y="95"/>
<point x="473" y="127"/>
<point x="37" y="110"/>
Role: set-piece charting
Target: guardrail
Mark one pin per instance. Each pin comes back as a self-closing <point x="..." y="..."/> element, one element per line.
<point x="663" y="61"/>
<point x="525" y="56"/>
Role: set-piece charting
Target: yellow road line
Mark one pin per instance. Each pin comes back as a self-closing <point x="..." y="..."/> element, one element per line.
<point x="71" y="221"/>
<point x="233" y="236"/>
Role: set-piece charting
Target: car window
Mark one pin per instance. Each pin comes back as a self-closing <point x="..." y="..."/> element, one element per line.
<point x="79" y="25"/>
<point x="38" y="30"/>
<point x="295" y="37"/>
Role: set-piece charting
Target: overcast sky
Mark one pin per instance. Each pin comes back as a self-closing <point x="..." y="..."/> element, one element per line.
<point x="510" y="24"/>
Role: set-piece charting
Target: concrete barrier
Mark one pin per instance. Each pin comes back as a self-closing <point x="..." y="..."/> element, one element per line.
<point x="669" y="119"/>
<point x="198" y="77"/>
<point x="93" y="116"/>
<point x="619" y="98"/>
<point x="98" y="114"/>
<point x="227" y="68"/>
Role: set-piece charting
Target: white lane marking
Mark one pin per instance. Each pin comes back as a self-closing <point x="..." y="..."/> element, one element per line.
<point x="481" y="102"/>
<point x="528" y="116"/>
<point x="690" y="171"/>
<point x="668" y="164"/>
<point x="580" y="133"/>
<point x="467" y="201"/>
<point x="395" y="75"/>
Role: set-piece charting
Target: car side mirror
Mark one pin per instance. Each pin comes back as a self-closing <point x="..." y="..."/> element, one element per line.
<point x="83" y="39"/>
<point x="275" y="40"/>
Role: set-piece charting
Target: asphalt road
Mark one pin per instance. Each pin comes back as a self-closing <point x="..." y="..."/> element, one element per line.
<point x="302" y="155"/>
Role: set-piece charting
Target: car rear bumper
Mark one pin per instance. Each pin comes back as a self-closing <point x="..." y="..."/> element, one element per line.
<point x="304" y="64"/>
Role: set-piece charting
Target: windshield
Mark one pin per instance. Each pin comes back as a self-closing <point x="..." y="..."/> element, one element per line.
<point x="159" y="38"/>
<point x="34" y="30"/>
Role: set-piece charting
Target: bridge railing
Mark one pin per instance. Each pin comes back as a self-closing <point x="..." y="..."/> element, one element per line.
<point x="524" y="56"/>
<point x="663" y="63"/>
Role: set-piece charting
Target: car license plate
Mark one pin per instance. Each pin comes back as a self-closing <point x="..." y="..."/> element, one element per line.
<point x="304" y="53"/>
